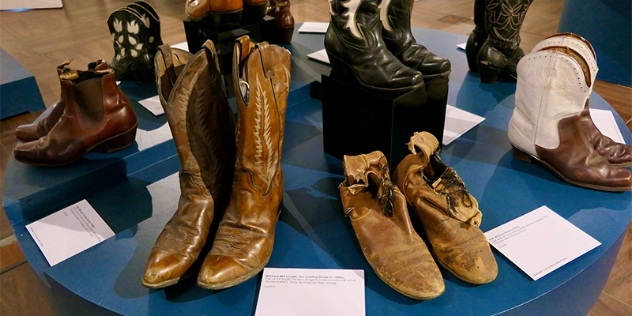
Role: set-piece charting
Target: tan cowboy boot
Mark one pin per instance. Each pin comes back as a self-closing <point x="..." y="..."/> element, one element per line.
<point x="447" y="212"/>
<point x="379" y="216"/>
<point x="35" y="130"/>
<point x="244" y="240"/>
<point x="201" y="122"/>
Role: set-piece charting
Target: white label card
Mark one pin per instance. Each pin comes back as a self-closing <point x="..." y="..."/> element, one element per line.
<point x="605" y="123"/>
<point x="320" y="55"/>
<point x="153" y="105"/>
<point x="311" y="292"/>
<point x="457" y="122"/>
<point x="69" y="231"/>
<point x="540" y="241"/>
<point x="314" y="27"/>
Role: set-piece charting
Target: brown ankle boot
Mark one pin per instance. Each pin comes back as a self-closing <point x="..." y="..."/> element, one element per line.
<point x="280" y="10"/>
<point x="244" y="241"/>
<point x="202" y="125"/>
<point x="447" y="212"/>
<point x="379" y="216"/>
<point x="96" y="113"/>
<point x="35" y="130"/>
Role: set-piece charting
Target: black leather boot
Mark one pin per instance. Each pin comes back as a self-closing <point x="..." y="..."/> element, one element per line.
<point x="130" y="33"/>
<point x="478" y="36"/>
<point x="501" y="51"/>
<point x="355" y="48"/>
<point x="395" y="18"/>
<point x="150" y="17"/>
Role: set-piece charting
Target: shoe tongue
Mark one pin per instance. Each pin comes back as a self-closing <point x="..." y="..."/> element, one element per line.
<point x="423" y="141"/>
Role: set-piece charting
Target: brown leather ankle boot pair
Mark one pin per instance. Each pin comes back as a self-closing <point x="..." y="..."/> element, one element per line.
<point x="234" y="171"/>
<point x="91" y="111"/>
<point x="440" y="205"/>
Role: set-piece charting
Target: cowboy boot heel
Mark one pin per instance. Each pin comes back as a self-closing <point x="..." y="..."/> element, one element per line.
<point x="487" y="73"/>
<point x="521" y="155"/>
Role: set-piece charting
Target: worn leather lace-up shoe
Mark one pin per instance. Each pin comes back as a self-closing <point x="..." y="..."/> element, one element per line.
<point x="448" y="213"/>
<point x="379" y="217"/>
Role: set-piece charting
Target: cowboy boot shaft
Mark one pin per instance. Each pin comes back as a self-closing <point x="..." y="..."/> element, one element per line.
<point x="355" y="47"/>
<point x="504" y="20"/>
<point x="478" y="36"/>
<point x="379" y="217"/>
<point x="245" y="237"/>
<point x="396" y="31"/>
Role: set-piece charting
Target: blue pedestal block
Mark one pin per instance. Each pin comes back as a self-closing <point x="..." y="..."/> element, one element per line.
<point x="18" y="89"/>
<point x="607" y="24"/>
<point x="312" y="231"/>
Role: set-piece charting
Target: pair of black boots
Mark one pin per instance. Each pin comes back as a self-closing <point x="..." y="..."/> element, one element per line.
<point x="371" y="41"/>
<point x="135" y="30"/>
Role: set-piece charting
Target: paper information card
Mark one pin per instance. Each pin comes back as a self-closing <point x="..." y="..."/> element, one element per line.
<point x="540" y="241"/>
<point x="311" y="292"/>
<point x="69" y="231"/>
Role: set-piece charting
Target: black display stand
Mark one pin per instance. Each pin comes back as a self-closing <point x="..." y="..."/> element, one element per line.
<point x="358" y="120"/>
<point x="197" y="32"/>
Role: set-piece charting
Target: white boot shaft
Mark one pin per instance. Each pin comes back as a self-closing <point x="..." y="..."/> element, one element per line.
<point x="583" y="47"/>
<point x="551" y="86"/>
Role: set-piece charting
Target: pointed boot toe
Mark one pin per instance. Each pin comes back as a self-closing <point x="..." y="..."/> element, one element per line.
<point x="449" y="215"/>
<point x="164" y="269"/>
<point x="379" y="217"/>
<point x="223" y="272"/>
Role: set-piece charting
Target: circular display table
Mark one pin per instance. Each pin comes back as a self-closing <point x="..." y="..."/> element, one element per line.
<point x="136" y="192"/>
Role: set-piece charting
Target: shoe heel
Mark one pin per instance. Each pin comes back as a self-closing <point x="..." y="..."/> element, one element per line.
<point x="487" y="73"/>
<point x="521" y="155"/>
<point x="121" y="141"/>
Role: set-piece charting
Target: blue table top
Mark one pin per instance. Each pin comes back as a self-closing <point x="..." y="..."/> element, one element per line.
<point x="312" y="231"/>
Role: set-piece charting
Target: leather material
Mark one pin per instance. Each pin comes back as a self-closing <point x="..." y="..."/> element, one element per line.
<point x="201" y="122"/>
<point x="575" y="161"/>
<point x="478" y="36"/>
<point x="440" y="203"/>
<point x="134" y="35"/>
<point x="395" y="18"/>
<point x="96" y="113"/>
<point x="379" y="217"/>
<point x="549" y="121"/>
<point x="223" y="13"/>
<point x="280" y="10"/>
<point x="35" y="130"/>
<point x="245" y="238"/>
<point x="356" y="49"/>
<point x="616" y="153"/>
<point x="501" y="51"/>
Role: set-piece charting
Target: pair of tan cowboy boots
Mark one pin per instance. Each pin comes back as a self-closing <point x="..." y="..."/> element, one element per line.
<point x="441" y="207"/>
<point x="227" y="169"/>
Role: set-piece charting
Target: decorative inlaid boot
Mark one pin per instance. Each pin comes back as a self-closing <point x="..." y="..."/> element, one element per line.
<point x="131" y="34"/>
<point x="395" y="18"/>
<point x="96" y="113"/>
<point x="379" y="217"/>
<point x="356" y="49"/>
<point x="501" y="51"/>
<point x="201" y="121"/>
<point x="35" y="130"/>
<point x="548" y="123"/>
<point x="448" y="213"/>
<point x="245" y="238"/>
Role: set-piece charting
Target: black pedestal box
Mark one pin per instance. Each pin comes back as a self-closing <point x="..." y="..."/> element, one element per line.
<point x="358" y="120"/>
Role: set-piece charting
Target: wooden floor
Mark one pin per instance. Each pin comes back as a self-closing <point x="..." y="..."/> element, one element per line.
<point x="41" y="39"/>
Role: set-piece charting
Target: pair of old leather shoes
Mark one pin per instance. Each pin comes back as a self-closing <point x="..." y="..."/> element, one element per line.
<point x="440" y="206"/>
<point x="226" y="13"/>
<point x="91" y="111"/>
<point x="228" y="170"/>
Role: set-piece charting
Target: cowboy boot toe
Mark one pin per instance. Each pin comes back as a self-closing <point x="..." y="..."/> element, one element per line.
<point x="165" y="268"/>
<point x="220" y="272"/>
